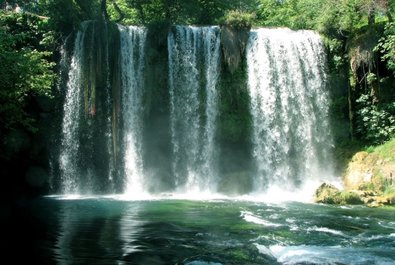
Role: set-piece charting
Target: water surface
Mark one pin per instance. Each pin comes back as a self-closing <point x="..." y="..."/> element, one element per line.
<point x="107" y="230"/>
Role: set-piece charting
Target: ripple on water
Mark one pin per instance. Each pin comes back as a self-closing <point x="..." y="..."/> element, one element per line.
<point x="199" y="262"/>
<point x="327" y="230"/>
<point x="305" y="254"/>
<point x="251" y="218"/>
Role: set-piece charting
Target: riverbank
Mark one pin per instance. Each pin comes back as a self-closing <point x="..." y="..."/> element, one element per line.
<point x="369" y="179"/>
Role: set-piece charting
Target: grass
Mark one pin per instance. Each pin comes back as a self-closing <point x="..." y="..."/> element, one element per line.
<point x="387" y="150"/>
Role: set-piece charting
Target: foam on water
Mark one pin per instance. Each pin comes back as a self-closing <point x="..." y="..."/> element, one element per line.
<point x="326" y="230"/>
<point x="323" y="255"/>
<point x="251" y="218"/>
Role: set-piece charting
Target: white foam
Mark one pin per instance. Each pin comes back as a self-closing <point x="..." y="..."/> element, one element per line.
<point x="324" y="255"/>
<point x="264" y="250"/>
<point x="378" y="237"/>
<point x="251" y="218"/>
<point x="198" y="262"/>
<point x="326" y="230"/>
<point x="273" y="195"/>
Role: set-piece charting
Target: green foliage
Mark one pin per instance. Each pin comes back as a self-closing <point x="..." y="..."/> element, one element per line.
<point x="295" y="14"/>
<point x="387" y="150"/>
<point x="238" y="19"/>
<point x="386" y="46"/>
<point x="347" y="198"/>
<point x="200" y="12"/>
<point x="64" y="16"/>
<point x="370" y="149"/>
<point x="389" y="192"/>
<point x="329" y="194"/>
<point x="375" y="123"/>
<point x="326" y="193"/>
<point x="335" y="49"/>
<point x="25" y="67"/>
<point x="339" y="21"/>
<point x="131" y="16"/>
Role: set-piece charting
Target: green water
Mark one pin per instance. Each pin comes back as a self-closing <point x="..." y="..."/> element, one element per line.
<point x="105" y="230"/>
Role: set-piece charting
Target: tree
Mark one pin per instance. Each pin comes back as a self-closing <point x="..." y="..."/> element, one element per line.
<point x="386" y="46"/>
<point x="25" y="68"/>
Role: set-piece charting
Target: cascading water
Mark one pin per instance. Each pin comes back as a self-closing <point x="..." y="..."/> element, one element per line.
<point x="86" y="160"/>
<point x="70" y="145"/>
<point x="103" y="148"/>
<point x="289" y="107"/>
<point x="132" y="69"/>
<point x="194" y="59"/>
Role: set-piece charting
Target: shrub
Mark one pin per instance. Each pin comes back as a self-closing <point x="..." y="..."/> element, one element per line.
<point x="386" y="46"/>
<point x="375" y="123"/>
<point x="239" y="19"/>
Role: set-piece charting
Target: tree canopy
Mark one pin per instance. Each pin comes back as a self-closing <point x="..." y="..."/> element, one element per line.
<point x="26" y="68"/>
<point x="359" y="35"/>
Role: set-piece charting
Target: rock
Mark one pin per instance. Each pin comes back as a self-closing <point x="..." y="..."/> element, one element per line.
<point x="359" y="171"/>
<point x="365" y="193"/>
<point x="326" y="193"/>
<point x="37" y="177"/>
<point x="374" y="204"/>
<point x="348" y="197"/>
<point x="45" y="103"/>
<point x="15" y="142"/>
<point x="370" y="178"/>
<point x="368" y="200"/>
<point x="236" y="183"/>
<point x="359" y="157"/>
<point x="391" y="200"/>
<point x="234" y="42"/>
<point x="329" y="194"/>
<point x="383" y="200"/>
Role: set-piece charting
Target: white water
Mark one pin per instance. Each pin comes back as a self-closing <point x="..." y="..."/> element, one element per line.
<point x="289" y="106"/>
<point x="307" y="254"/>
<point x="194" y="58"/>
<point x="132" y="67"/>
<point x="70" y="124"/>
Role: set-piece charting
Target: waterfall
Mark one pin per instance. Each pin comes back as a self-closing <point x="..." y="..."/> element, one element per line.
<point x="108" y="113"/>
<point x="71" y="109"/>
<point x="194" y="59"/>
<point x="132" y="77"/>
<point x="87" y="153"/>
<point x="289" y="106"/>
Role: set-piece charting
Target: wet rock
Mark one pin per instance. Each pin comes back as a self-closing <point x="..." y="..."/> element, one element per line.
<point x="326" y="193"/>
<point x="36" y="177"/>
<point x="358" y="171"/>
<point x="348" y="197"/>
<point x="329" y="194"/>
<point x="15" y="142"/>
<point x="234" y="42"/>
<point x="236" y="183"/>
<point x="45" y="103"/>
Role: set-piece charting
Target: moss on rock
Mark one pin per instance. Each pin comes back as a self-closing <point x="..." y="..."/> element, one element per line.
<point x="326" y="193"/>
<point x="329" y="194"/>
<point x="369" y="179"/>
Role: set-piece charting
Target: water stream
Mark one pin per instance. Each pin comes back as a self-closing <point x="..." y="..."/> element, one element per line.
<point x="289" y="104"/>
<point x="103" y="150"/>
<point x="110" y="230"/>
<point x="194" y="58"/>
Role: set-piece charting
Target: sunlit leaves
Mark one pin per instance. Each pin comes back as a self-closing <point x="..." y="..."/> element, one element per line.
<point x="375" y="122"/>
<point x="386" y="46"/>
<point x="25" y="68"/>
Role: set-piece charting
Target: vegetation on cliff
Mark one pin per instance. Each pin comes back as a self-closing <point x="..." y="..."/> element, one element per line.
<point x="369" y="179"/>
<point x="26" y="70"/>
<point x="359" y="36"/>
